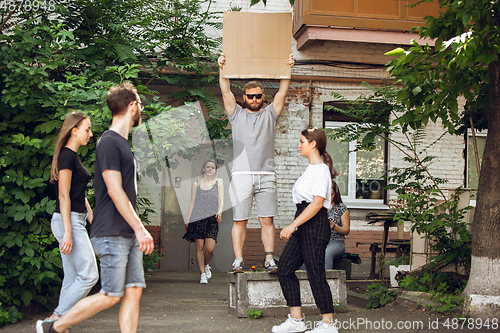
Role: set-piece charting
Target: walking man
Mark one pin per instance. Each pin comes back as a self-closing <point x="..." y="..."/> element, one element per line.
<point x="118" y="236"/>
<point x="253" y="173"/>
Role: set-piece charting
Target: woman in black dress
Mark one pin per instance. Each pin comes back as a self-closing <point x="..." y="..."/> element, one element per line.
<point x="207" y="200"/>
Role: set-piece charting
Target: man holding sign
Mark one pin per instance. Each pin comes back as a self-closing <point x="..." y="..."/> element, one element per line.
<point x="253" y="173"/>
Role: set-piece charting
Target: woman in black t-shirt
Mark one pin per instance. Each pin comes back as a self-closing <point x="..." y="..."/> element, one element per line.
<point x="72" y="207"/>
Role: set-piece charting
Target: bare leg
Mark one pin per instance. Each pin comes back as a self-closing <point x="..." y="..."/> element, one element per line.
<point x="328" y="318"/>
<point x="200" y="260"/>
<point x="85" y="309"/>
<point x="209" y="249"/>
<point x="129" y="310"/>
<point x="268" y="232"/>
<point x="296" y="312"/>
<point x="238" y="234"/>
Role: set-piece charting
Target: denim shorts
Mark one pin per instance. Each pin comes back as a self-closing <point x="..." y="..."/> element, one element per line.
<point x="245" y="186"/>
<point x="121" y="264"/>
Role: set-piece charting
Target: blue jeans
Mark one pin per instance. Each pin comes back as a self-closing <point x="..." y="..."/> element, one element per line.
<point x="121" y="264"/>
<point x="334" y="250"/>
<point x="79" y="266"/>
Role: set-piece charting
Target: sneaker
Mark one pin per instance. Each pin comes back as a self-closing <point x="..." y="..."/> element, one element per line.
<point x="271" y="266"/>
<point x="208" y="271"/>
<point x="322" y="327"/>
<point x="290" y="325"/>
<point x="203" y="278"/>
<point x="43" y="326"/>
<point x="48" y="320"/>
<point x="237" y="266"/>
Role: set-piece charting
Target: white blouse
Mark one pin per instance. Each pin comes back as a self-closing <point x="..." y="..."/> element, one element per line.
<point x="315" y="181"/>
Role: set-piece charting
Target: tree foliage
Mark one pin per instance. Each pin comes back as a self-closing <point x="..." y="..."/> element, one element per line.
<point x="53" y="62"/>
<point x="433" y="78"/>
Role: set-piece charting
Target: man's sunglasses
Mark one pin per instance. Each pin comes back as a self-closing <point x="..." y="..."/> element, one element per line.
<point x="251" y="96"/>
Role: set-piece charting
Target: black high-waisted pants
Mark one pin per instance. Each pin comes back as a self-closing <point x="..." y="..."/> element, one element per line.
<point x="307" y="245"/>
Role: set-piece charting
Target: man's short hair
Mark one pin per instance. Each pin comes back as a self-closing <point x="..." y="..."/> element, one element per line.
<point x="252" y="84"/>
<point x="120" y="96"/>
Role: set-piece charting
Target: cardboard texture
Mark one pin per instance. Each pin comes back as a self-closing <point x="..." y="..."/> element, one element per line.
<point x="257" y="45"/>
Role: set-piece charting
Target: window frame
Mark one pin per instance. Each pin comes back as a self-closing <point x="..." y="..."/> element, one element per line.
<point x="350" y="200"/>
<point x="483" y="133"/>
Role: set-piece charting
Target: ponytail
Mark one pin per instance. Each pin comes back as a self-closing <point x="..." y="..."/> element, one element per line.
<point x="327" y="159"/>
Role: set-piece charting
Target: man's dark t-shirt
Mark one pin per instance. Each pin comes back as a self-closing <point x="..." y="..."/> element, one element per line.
<point x="113" y="153"/>
<point x="68" y="159"/>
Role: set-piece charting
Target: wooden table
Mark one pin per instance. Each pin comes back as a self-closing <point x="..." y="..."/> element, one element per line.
<point x="376" y="247"/>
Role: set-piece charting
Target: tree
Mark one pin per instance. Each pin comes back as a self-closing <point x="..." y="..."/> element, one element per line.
<point x="65" y="58"/>
<point x="464" y="62"/>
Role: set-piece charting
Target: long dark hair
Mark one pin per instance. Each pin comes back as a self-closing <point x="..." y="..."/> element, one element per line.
<point x="74" y="119"/>
<point x="316" y="134"/>
<point x="337" y="197"/>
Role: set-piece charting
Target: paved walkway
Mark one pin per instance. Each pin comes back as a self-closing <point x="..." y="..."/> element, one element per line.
<point x="177" y="302"/>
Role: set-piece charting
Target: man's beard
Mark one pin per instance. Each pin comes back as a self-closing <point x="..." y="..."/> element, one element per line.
<point x="137" y="119"/>
<point x="248" y="106"/>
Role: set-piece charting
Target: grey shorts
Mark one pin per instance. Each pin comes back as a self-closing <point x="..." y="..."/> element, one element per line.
<point x="121" y="264"/>
<point x="242" y="190"/>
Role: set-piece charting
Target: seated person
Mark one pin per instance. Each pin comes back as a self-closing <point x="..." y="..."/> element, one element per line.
<point x="340" y="222"/>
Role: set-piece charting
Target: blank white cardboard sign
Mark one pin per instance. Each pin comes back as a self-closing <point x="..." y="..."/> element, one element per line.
<point x="257" y="45"/>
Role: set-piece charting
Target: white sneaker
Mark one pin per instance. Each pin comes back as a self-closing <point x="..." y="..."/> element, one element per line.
<point x="203" y="278"/>
<point x="208" y="271"/>
<point x="322" y="327"/>
<point x="290" y="325"/>
<point x="237" y="266"/>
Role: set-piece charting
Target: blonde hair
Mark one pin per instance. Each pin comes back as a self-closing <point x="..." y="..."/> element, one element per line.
<point x="72" y="120"/>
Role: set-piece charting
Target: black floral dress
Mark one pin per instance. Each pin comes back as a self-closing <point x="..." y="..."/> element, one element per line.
<point x="203" y="223"/>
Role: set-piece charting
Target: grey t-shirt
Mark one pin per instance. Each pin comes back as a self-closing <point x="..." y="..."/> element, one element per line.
<point x="253" y="139"/>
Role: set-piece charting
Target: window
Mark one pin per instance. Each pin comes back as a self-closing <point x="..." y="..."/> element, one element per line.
<point x="471" y="178"/>
<point x="361" y="173"/>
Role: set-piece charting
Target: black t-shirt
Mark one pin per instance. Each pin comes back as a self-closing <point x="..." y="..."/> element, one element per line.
<point x="113" y="153"/>
<point x="68" y="159"/>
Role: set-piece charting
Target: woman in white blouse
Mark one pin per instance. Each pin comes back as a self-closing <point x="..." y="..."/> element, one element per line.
<point x="308" y="236"/>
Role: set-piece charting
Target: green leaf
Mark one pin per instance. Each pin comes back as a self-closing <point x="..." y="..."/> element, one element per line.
<point x="26" y="297"/>
<point x="396" y="52"/>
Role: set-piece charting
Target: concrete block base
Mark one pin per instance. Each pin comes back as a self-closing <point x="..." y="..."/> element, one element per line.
<point x="262" y="291"/>
<point x="482" y="306"/>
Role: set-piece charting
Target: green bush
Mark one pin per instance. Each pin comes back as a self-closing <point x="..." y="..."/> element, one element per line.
<point x="379" y="295"/>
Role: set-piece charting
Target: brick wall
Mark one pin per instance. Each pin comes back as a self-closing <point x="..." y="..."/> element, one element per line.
<point x="253" y="252"/>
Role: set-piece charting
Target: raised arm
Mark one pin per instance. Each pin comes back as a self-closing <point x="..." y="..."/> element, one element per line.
<point x="279" y="98"/>
<point x="225" y="88"/>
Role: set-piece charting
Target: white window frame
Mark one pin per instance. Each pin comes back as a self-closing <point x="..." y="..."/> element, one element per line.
<point x="350" y="200"/>
<point x="483" y="133"/>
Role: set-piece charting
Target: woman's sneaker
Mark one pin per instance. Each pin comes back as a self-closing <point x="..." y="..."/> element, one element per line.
<point x="203" y="278"/>
<point x="322" y="327"/>
<point x="208" y="271"/>
<point x="43" y="326"/>
<point x="290" y="325"/>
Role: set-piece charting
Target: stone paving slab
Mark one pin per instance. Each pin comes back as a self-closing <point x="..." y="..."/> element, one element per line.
<point x="177" y="302"/>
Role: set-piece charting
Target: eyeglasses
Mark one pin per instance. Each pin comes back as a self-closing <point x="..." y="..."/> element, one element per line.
<point x="252" y="96"/>
<point x="141" y="105"/>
